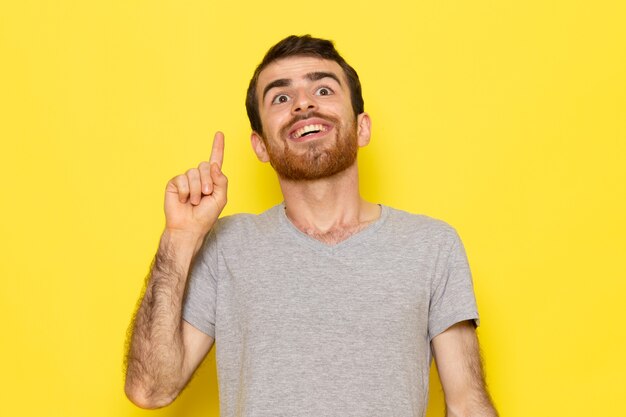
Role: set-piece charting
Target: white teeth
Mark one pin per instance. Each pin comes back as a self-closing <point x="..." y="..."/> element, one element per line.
<point x="308" y="128"/>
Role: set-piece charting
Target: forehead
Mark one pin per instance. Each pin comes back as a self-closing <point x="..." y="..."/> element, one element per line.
<point x="296" y="68"/>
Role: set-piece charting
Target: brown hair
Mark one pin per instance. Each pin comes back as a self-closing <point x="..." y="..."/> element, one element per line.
<point x="301" y="46"/>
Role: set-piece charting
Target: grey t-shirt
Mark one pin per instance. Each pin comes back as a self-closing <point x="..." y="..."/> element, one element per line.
<point x="303" y="328"/>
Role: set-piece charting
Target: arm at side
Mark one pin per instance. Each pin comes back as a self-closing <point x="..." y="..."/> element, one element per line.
<point x="164" y="350"/>
<point x="457" y="356"/>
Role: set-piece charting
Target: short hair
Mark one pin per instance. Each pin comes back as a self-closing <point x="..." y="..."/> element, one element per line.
<point x="301" y="46"/>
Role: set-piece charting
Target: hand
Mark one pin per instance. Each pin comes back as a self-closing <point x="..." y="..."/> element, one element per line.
<point x="195" y="199"/>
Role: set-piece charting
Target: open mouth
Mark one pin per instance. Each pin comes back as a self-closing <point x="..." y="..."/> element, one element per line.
<point x="308" y="130"/>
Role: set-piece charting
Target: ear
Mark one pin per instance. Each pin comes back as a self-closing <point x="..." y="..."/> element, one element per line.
<point x="364" y="129"/>
<point x="258" y="146"/>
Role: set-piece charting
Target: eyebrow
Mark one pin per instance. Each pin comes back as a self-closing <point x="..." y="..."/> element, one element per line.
<point x="314" y="76"/>
<point x="311" y="76"/>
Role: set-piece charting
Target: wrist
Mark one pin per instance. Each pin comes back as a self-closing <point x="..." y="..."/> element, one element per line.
<point x="182" y="241"/>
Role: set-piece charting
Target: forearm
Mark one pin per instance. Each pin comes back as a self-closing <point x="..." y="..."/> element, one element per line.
<point x="156" y="360"/>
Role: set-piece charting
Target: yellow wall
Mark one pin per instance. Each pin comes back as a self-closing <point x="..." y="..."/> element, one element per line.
<point x="507" y="119"/>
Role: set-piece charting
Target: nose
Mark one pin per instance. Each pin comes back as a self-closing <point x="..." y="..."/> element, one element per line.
<point x="303" y="103"/>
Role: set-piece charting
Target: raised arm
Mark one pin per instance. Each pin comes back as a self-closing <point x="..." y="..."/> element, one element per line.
<point x="164" y="350"/>
<point x="457" y="356"/>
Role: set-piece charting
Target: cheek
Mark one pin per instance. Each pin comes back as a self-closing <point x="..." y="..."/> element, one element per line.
<point x="273" y="119"/>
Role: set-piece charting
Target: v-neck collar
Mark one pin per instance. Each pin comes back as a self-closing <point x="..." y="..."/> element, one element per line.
<point x="325" y="247"/>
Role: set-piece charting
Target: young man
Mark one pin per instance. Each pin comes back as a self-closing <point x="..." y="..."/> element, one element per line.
<point x="325" y="305"/>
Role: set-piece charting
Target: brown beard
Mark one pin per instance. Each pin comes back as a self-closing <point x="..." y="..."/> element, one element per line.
<point x="318" y="160"/>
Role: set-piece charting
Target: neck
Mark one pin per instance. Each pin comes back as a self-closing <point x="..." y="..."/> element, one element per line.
<point x="329" y="209"/>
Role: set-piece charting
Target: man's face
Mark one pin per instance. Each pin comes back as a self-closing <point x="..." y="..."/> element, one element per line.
<point x="309" y="127"/>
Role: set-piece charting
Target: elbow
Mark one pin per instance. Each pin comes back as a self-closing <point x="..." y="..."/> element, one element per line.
<point x="144" y="398"/>
<point x="471" y="409"/>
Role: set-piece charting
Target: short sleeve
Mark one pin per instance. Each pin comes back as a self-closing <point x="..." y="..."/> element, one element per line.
<point x="452" y="293"/>
<point x="201" y="293"/>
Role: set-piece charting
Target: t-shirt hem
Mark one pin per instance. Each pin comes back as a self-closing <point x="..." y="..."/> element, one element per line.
<point x="452" y="320"/>
<point x="208" y="330"/>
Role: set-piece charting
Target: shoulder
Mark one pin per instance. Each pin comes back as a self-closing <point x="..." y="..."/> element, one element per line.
<point x="410" y="225"/>
<point x="246" y="224"/>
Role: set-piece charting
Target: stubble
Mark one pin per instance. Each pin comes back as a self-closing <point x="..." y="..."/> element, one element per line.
<point x="319" y="158"/>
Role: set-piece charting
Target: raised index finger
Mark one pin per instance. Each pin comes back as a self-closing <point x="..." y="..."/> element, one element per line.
<point x="217" y="152"/>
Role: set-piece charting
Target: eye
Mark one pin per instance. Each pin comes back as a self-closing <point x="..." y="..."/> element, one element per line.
<point x="324" y="91"/>
<point x="281" y="98"/>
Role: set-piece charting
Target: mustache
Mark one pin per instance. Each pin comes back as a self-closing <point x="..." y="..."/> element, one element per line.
<point x="295" y="119"/>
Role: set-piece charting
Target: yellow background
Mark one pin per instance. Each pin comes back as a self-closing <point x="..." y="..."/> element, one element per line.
<point x="506" y="119"/>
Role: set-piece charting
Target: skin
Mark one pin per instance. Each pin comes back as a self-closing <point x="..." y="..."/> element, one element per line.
<point x="164" y="349"/>
<point x="329" y="208"/>
<point x="457" y="356"/>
